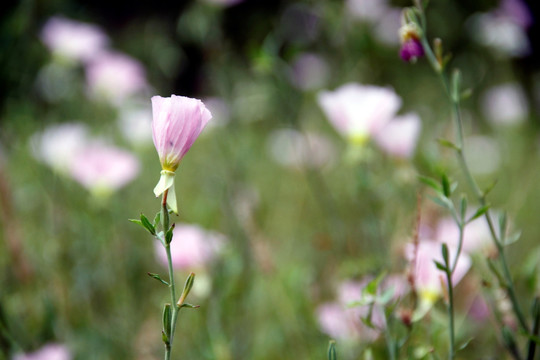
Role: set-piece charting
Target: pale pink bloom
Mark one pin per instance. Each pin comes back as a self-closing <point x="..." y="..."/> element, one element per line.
<point x="517" y="11"/>
<point x="309" y="71"/>
<point x="115" y="77"/>
<point x="505" y="104"/>
<point x="103" y="169"/>
<point x="479" y="309"/>
<point x="47" y="352"/>
<point x="335" y="321"/>
<point x="476" y="237"/>
<point x="399" y="136"/>
<point x="192" y="247"/>
<point x="367" y="10"/>
<point x="59" y="145"/>
<point x="428" y="279"/>
<point x="298" y="150"/>
<point x="72" y="39"/>
<point x="359" y="111"/>
<point x="177" y="122"/>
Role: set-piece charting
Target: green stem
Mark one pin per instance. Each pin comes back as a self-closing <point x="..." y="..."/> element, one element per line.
<point x="165" y="223"/>
<point x="460" y="152"/>
<point x="451" y="353"/>
<point x="389" y="341"/>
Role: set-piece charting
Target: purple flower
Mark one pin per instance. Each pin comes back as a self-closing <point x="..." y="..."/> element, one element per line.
<point x="72" y="39"/>
<point x="177" y="122"/>
<point x="411" y="50"/>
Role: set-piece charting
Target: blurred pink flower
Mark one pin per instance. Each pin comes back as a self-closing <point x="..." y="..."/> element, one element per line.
<point x="342" y="319"/>
<point x="517" y="11"/>
<point x="399" y="136"/>
<point x="359" y="111"/>
<point x="58" y="145"/>
<point x="72" y="39"/>
<point x="297" y="150"/>
<point x="192" y="247"/>
<point x="135" y="124"/>
<point x="115" y="77"/>
<point x="428" y="279"/>
<point x="505" y="104"/>
<point x="367" y="10"/>
<point x="47" y="352"/>
<point x="103" y="169"/>
<point x="177" y="122"/>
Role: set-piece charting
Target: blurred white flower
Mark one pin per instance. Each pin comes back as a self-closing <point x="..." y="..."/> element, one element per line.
<point x="47" y="352"/>
<point x="114" y="77"/>
<point x="505" y="104"/>
<point x="135" y="124"/>
<point x="504" y="29"/>
<point x="386" y="29"/>
<point x="399" y="136"/>
<point x="483" y="154"/>
<point x="103" y="169"/>
<point x="309" y="71"/>
<point x="359" y="111"/>
<point x="72" y="39"/>
<point x="367" y="10"/>
<point x="295" y="149"/>
<point x="192" y="247"/>
<point x="221" y="113"/>
<point x="59" y="145"/>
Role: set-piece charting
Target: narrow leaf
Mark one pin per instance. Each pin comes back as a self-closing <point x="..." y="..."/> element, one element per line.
<point x="144" y="221"/>
<point x="332" y="350"/>
<point x="456" y="85"/>
<point x="432" y="183"/>
<point x="489" y="188"/>
<point x="157" y="277"/>
<point x="440" y="266"/>
<point x="444" y="251"/>
<point x="157" y="218"/>
<point x="169" y="235"/>
<point x="447" y="143"/>
<point x="445" y="185"/>
<point x="481" y="211"/>
<point x="190" y="306"/>
<point x="167" y="320"/>
<point x="463" y="208"/>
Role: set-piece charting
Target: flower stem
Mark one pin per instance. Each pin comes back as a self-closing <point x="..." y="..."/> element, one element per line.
<point x="174" y="316"/>
<point x="460" y="153"/>
<point x="451" y="352"/>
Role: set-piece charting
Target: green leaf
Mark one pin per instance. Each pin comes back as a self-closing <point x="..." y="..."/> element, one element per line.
<point x="463" y="208"/>
<point x="189" y="306"/>
<point x="444" y="202"/>
<point x="481" y="211"/>
<point x="445" y="185"/>
<point x="495" y="271"/>
<point x="332" y="350"/>
<point x="489" y="188"/>
<point x="157" y="218"/>
<point x="503" y="227"/>
<point x="164" y="338"/>
<point x="167" y="320"/>
<point x="187" y="288"/>
<point x="157" y="277"/>
<point x="432" y="183"/>
<point x="447" y="143"/>
<point x="512" y="238"/>
<point x="467" y="93"/>
<point x="144" y="221"/>
<point x="440" y="266"/>
<point x="444" y="251"/>
<point x="456" y="85"/>
<point x="169" y="235"/>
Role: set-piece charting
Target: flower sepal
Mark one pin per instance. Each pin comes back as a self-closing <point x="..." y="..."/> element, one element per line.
<point x="166" y="182"/>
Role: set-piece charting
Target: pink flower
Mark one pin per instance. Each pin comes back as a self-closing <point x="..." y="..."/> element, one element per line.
<point x="359" y="111"/>
<point x="47" y="352"/>
<point x="476" y="237"/>
<point x="72" y="39"/>
<point x="103" y="169"/>
<point x="428" y="279"/>
<point x="115" y="77"/>
<point x="400" y="135"/>
<point x="192" y="247"/>
<point x="177" y="122"/>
